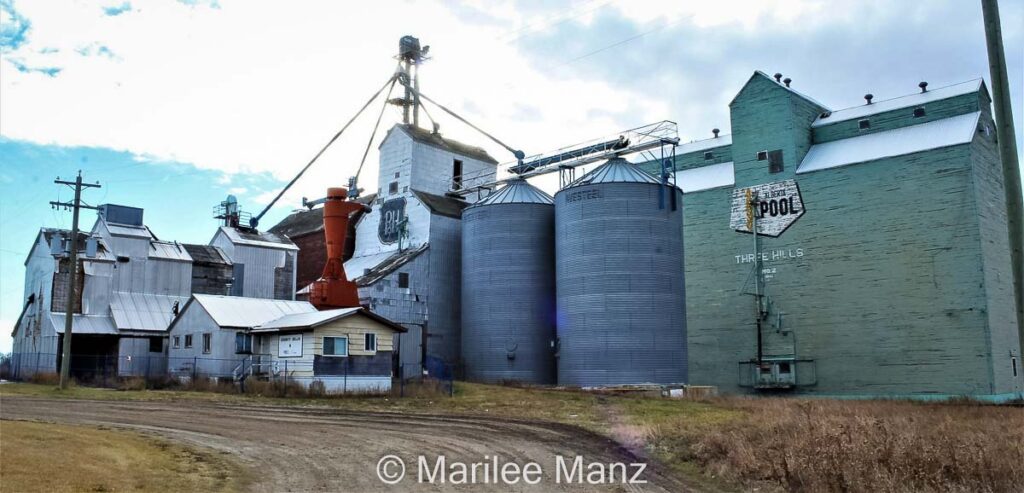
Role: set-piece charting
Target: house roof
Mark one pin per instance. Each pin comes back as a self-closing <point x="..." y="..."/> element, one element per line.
<point x="706" y="177"/>
<point x="758" y="73"/>
<point x="143" y="311"/>
<point x="427" y="137"/>
<point x="517" y="191"/>
<point x="312" y="320"/>
<point x="387" y="264"/>
<point x="252" y="237"/>
<point x="236" y="311"/>
<point x="445" y="206"/>
<point x="896" y="142"/>
<point x="615" y="170"/>
<point x="907" y="101"/>
<point x="300" y="222"/>
<point x="84" y="324"/>
<point x="208" y="254"/>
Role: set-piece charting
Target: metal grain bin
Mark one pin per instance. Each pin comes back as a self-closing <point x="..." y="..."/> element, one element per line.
<point x="619" y="277"/>
<point x="508" y="286"/>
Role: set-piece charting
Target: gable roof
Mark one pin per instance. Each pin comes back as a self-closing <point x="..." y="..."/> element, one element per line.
<point x="445" y="206"/>
<point x="315" y="319"/>
<point x="758" y="73"/>
<point x="236" y="311"/>
<point x="436" y="140"/>
<point x="252" y="237"/>
<point x="907" y="101"/>
<point x="300" y="222"/>
<point x="896" y="142"/>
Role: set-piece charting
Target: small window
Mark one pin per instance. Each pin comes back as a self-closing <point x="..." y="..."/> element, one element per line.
<point x="188" y="341"/>
<point x="919" y="112"/>
<point x="775" y="164"/>
<point x="335" y="346"/>
<point x="1013" y="363"/>
<point x="122" y="258"/>
<point x="766" y="370"/>
<point x="784" y="368"/>
<point x="207" y="343"/>
<point x="864" y="124"/>
<point x="177" y="342"/>
<point x="762" y="155"/>
<point x="371" y="342"/>
<point x="243" y="343"/>
<point x="456" y="174"/>
<point x="393" y="188"/>
<point x="403" y="279"/>
<point x="709" y="156"/>
<point x="156" y="344"/>
<point x="398" y="173"/>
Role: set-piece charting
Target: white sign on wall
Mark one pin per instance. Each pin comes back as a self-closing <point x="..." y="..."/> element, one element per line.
<point x="289" y="345"/>
<point x="772" y="206"/>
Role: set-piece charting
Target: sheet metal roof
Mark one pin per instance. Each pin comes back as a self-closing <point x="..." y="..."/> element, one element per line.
<point x="384" y="264"/>
<point x="703" y="145"/>
<point x="235" y="311"/>
<point x="84" y="324"/>
<point x="168" y="251"/>
<point x="316" y="319"/>
<point x="896" y="142"/>
<point x="517" y="191"/>
<point x="706" y="177"/>
<point x="445" y="206"/>
<point x="263" y="239"/>
<point x="908" y="101"/>
<point x="615" y="170"/>
<point x="143" y="311"/>
<point x="206" y="254"/>
<point x="130" y="231"/>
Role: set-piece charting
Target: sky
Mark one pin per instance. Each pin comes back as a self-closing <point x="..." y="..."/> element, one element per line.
<point x="172" y="105"/>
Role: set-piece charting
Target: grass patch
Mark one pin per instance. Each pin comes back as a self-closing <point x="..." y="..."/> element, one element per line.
<point x="52" y="457"/>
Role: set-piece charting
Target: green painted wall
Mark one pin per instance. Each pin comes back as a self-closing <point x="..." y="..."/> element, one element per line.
<point x="895" y="281"/>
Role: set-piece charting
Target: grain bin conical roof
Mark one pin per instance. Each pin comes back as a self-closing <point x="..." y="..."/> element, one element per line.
<point x="517" y="191"/>
<point x="615" y="170"/>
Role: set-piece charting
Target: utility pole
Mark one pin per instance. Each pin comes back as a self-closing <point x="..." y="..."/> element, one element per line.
<point x="1007" y="152"/>
<point x="65" y="361"/>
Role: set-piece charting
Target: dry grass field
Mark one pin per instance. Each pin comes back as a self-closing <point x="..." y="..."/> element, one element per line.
<point x="51" y="457"/>
<point x="769" y="444"/>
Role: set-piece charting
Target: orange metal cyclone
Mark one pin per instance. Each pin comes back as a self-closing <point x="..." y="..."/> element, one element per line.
<point x="334" y="289"/>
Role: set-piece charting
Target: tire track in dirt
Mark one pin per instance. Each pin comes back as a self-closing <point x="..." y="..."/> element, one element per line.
<point x="323" y="449"/>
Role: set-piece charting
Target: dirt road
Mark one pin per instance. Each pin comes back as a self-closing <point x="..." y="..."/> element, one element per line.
<point x="322" y="449"/>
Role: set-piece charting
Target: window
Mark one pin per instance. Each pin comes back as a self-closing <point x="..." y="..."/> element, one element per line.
<point x="188" y="341"/>
<point x="243" y="343"/>
<point x="371" y="342"/>
<point x="207" y="343"/>
<point x="784" y="368"/>
<point x="403" y="279"/>
<point x="775" y="164"/>
<point x="398" y="173"/>
<point x="709" y="156"/>
<point x="392" y="188"/>
<point x="156" y="344"/>
<point x="864" y="124"/>
<point x="335" y="346"/>
<point x="456" y="174"/>
<point x="177" y="342"/>
<point x="1013" y="363"/>
<point x="762" y="155"/>
<point x="919" y="112"/>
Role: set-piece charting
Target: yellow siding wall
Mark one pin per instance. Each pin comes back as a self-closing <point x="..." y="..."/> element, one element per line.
<point x="356" y="329"/>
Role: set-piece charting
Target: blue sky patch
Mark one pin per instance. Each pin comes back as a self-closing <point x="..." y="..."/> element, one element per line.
<point x="20" y="65"/>
<point x="14" y="27"/>
<point x="117" y="9"/>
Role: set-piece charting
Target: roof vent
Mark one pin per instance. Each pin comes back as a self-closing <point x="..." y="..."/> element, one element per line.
<point x="786" y="81"/>
<point x="868" y="97"/>
<point x="826" y="114"/>
<point x="924" y="86"/>
<point x="778" y="77"/>
<point x="715" y="131"/>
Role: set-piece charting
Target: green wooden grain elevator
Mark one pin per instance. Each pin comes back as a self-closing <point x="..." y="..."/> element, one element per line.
<point x="880" y="264"/>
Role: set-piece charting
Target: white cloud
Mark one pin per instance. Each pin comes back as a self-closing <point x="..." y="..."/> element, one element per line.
<point x="261" y="86"/>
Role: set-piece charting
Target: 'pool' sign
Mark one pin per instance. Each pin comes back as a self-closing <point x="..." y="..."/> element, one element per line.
<point x="772" y="206"/>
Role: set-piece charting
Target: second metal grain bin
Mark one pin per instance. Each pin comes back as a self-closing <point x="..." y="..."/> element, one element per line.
<point x="619" y="279"/>
<point x="508" y="286"/>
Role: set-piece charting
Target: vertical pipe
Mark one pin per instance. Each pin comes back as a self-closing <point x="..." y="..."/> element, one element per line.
<point x="1007" y="152"/>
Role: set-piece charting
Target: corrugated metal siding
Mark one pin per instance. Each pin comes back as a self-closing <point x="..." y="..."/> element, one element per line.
<point x="444" y="295"/>
<point x="620" y="286"/>
<point x="508" y="292"/>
